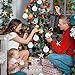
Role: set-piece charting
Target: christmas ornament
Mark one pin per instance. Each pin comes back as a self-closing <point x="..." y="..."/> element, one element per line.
<point x="35" y="21"/>
<point x="30" y="58"/>
<point x="30" y="45"/>
<point x="41" y="31"/>
<point x="48" y="35"/>
<point x="37" y="26"/>
<point x="4" y="13"/>
<point x="5" y="2"/>
<point x="30" y="16"/>
<point x="25" y="16"/>
<point x="26" y="10"/>
<point x="42" y="11"/>
<point x="41" y="55"/>
<point x="39" y="2"/>
<point x="35" y="37"/>
<point x="46" y="49"/>
<point x="72" y="34"/>
<point x="34" y="8"/>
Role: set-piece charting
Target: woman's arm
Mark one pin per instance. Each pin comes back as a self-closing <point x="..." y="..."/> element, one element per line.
<point x="25" y="41"/>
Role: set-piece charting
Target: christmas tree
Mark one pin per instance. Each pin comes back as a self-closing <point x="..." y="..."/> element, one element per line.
<point x="37" y="14"/>
<point x="6" y="13"/>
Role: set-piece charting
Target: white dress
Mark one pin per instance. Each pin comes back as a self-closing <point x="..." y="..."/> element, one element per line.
<point x="11" y="43"/>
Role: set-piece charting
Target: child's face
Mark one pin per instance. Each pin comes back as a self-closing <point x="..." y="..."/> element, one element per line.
<point x="16" y="54"/>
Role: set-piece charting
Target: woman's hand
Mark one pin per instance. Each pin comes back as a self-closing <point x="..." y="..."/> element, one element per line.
<point x="25" y="35"/>
<point x="35" y="30"/>
<point x="57" y="8"/>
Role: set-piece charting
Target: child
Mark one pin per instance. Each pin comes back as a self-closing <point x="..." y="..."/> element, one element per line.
<point x="15" y="64"/>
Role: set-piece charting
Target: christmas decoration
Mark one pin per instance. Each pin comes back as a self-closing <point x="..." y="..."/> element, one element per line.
<point x="72" y="34"/>
<point x="30" y="45"/>
<point x="41" y="31"/>
<point x="6" y="11"/>
<point x="46" y="49"/>
<point x="41" y="55"/>
<point x="37" y="14"/>
<point x="34" y="8"/>
<point x="39" y="1"/>
<point x="25" y="16"/>
<point x="30" y="58"/>
<point x="48" y="35"/>
<point x="36" y="38"/>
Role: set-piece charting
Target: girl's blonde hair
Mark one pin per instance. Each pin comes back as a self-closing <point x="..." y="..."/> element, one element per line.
<point x="11" y="52"/>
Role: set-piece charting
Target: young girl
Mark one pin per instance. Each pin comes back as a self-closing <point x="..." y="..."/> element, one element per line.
<point x="12" y="32"/>
<point x="15" y="64"/>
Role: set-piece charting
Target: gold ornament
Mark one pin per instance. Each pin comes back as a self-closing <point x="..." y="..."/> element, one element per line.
<point x="30" y="16"/>
<point x="41" y="31"/>
<point x="26" y="10"/>
<point x="37" y="26"/>
<point x="30" y="58"/>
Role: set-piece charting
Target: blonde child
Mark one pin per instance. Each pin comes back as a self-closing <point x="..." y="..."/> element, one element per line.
<point x="15" y="64"/>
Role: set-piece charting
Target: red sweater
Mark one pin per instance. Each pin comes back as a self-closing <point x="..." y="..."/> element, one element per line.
<point x="67" y="44"/>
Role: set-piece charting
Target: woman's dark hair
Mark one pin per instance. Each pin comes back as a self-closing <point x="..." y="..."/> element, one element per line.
<point x="10" y="28"/>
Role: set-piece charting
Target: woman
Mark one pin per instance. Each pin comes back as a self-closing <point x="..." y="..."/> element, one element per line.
<point x="12" y="34"/>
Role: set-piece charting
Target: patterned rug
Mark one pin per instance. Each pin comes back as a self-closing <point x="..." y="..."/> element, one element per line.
<point x="41" y="67"/>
